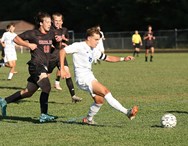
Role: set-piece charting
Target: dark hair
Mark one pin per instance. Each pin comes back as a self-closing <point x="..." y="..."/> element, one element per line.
<point x="9" y="25"/>
<point x="91" y="31"/>
<point x="57" y="14"/>
<point x="40" y="18"/>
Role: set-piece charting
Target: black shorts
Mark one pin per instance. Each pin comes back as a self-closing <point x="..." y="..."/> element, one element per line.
<point x="54" y="64"/>
<point x="35" y="71"/>
<point x="148" y="47"/>
<point x="137" y="46"/>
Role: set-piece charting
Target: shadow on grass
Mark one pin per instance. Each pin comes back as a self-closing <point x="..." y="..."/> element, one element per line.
<point x="15" y="119"/>
<point x="13" y="88"/>
<point x="179" y="112"/>
<point x="156" y="126"/>
<point x="81" y="123"/>
<point x="24" y="100"/>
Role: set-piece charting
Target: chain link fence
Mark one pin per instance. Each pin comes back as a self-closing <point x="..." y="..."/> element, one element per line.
<point x="165" y="39"/>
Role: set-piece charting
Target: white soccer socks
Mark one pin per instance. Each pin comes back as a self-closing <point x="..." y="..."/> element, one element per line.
<point x="94" y="108"/>
<point x="10" y="75"/>
<point x="115" y="104"/>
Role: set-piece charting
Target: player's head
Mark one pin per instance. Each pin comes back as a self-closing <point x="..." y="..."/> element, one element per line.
<point x="149" y="28"/>
<point x="11" y="27"/>
<point x="93" y="36"/>
<point x="57" y="20"/>
<point x="136" y="31"/>
<point x="43" y="21"/>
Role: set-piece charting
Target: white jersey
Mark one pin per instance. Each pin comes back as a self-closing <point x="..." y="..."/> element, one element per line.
<point x="83" y="57"/>
<point x="7" y="38"/>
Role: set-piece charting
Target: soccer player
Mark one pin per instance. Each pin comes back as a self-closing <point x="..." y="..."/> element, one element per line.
<point x="42" y="40"/>
<point x="9" y="49"/>
<point x="83" y="55"/>
<point x="57" y="21"/>
<point x="149" y="43"/>
<point x="137" y="42"/>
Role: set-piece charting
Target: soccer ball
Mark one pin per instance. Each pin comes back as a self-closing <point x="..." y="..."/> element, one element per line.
<point x="168" y="121"/>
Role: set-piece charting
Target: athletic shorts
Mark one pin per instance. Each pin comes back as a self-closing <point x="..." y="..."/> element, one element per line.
<point x="148" y="47"/>
<point x="137" y="46"/>
<point x="35" y="71"/>
<point x="10" y="56"/>
<point x="54" y="64"/>
<point x="85" y="83"/>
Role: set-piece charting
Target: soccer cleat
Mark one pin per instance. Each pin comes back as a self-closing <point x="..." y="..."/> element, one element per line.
<point x="86" y="121"/>
<point x="132" y="112"/>
<point x="46" y="118"/>
<point x="3" y="105"/>
<point x="76" y="99"/>
<point x="57" y="86"/>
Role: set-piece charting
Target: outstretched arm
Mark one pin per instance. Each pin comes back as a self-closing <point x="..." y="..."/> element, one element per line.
<point x="118" y="59"/>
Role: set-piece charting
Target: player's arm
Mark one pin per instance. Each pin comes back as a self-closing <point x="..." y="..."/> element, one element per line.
<point x="115" y="58"/>
<point x="23" y="43"/>
<point x="62" y="55"/>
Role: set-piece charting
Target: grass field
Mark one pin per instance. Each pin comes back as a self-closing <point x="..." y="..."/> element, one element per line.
<point x="157" y="88"/>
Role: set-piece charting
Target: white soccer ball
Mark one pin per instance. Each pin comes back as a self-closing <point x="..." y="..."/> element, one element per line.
<point x="168" y="121"/>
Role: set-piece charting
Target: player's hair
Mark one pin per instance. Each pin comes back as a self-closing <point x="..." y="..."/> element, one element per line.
<point x="9" y="25"/>
<point x="57" y="14"/>
<point x="40" y="18"/>
<point x="91" y="31"/>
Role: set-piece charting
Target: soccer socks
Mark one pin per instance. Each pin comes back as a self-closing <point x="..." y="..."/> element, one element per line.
<point x="44" y="102"/>
<point x="70" y="86"/>
<point x="14" y="97"/>
<point x="151" y="58"/>
<point x="146" y="59"/>
<point x="114" y="103"/>
<point x="94" y="108"/>
<point x="57" y="78"/>
<point x="10" y="76"/>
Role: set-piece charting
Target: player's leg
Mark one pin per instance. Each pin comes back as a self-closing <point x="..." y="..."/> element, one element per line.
<point x="27" y="92"/>
<point x="44" y="84"/>
<point x="152" y="54"/>
<point x="146" y="54"/>
<point x="70" y="86"/>
<point x="99" y="93"/>
<point x="57" y="80"/>
<point x="11" y="65"/>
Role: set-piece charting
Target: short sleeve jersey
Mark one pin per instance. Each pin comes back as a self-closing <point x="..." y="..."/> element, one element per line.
<point x="41" y="54"/>
<point x="149" y="42"/>
<point x="7" y="38"/>
<point x="55" y="51"/>
<point x="83" y="57"/>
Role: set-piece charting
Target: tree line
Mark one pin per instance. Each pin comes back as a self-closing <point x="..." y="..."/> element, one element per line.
<point x="112" y="15"/>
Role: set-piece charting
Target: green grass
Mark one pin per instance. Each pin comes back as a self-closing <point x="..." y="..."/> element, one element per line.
<point x="157" y="88"/>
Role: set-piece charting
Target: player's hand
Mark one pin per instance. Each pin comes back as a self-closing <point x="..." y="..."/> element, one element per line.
<point x="128" y="58"/>
<point x="32" y="46"/>
<point x="64" y="38"/>
<point x="63" y="74"/>
<point x="58" y="38"/>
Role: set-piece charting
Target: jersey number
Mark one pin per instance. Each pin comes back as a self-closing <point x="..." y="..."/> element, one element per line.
<point x="46" y="49"/>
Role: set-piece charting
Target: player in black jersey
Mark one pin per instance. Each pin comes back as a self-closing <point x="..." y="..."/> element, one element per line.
<point x="57" y="21"/>
<point x="44" y="38"/>
<point x="149" y="43"/>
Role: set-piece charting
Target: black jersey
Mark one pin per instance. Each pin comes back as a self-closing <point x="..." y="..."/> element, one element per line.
<point x="41" y="55"/>
<point x="149" y="41"/>
<point x="60" y="32"/>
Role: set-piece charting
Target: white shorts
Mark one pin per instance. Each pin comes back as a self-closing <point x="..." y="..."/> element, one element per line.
<point x="10" y="56"/>
<point x="85" y="83"/>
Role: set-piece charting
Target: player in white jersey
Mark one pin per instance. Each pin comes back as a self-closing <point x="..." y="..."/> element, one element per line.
<point x="83" y="55"/>
<point x="9" y="49"/>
